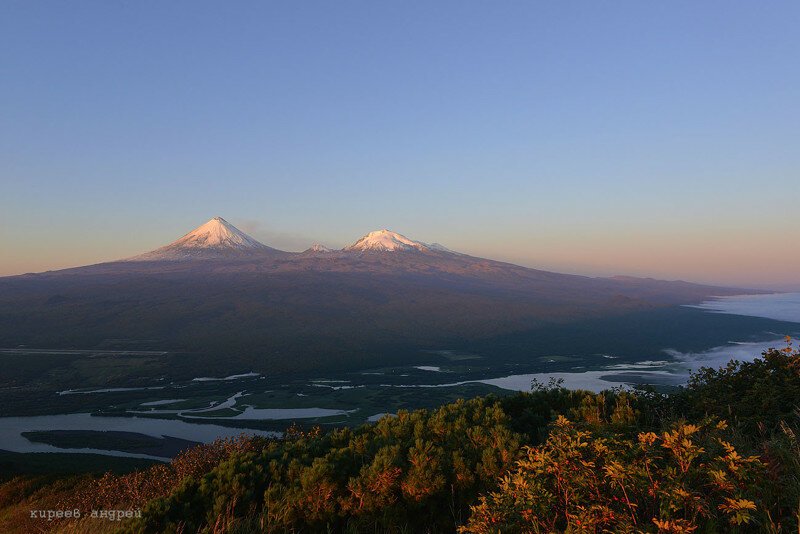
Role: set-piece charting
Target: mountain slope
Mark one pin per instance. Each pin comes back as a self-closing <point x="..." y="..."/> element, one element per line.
<point x="385" y="296"/>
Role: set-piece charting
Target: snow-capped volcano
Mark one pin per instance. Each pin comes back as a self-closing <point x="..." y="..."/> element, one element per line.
<point x="215" y="238"/>
<point x="318" y="247"/>
<point x="387" y="241"/>
<point x="217" y="233"/>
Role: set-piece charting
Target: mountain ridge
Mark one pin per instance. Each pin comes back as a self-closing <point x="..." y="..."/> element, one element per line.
<point x="217" y="246"/>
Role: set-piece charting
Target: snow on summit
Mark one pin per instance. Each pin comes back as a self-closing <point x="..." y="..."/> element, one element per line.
<point x="318" y="247"/>
<point x="217" y="233"/>
<point x="387" y="241"/>
<point x="217" y="237"/>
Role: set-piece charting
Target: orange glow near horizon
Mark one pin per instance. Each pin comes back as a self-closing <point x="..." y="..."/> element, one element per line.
<point x="761" y="259"/>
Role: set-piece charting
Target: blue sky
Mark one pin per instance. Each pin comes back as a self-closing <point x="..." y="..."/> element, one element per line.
<point x="658" y="139"/>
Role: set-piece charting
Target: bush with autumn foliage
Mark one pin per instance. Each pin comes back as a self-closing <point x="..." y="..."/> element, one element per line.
<point x="593" y="481"/>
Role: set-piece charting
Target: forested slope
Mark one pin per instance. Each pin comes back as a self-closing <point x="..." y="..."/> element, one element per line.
<point x="721" y="455"/>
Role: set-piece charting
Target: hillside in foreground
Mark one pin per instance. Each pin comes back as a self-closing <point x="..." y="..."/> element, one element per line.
<point x="721" y="455"/>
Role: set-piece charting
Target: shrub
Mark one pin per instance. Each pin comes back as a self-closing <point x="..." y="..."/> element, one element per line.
<point x="418" y="471"/>
<point x="580" y="480"/>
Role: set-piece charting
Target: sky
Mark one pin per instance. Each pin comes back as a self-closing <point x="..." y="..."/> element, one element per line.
<point x="644" y="138"/>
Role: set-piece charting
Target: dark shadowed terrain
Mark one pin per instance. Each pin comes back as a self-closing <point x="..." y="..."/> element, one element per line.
<point x="294" y="312"/>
